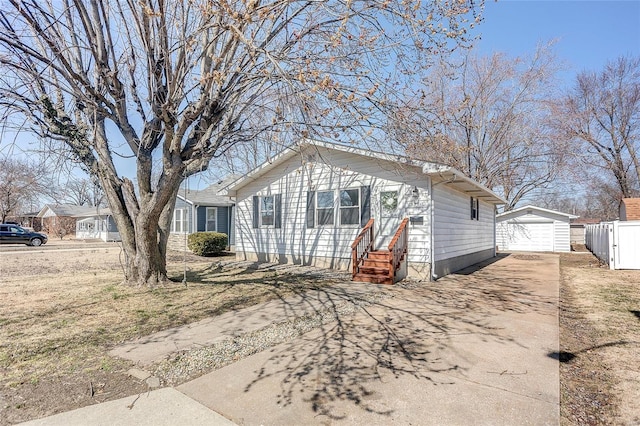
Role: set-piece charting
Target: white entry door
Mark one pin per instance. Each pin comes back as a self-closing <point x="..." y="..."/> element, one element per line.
<point x="390" y="217"/>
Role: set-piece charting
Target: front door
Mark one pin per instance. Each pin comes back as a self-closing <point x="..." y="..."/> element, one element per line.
<point x="390" y="217"/>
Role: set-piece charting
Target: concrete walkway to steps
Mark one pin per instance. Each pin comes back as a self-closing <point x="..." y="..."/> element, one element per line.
<point x="474" y="347"/>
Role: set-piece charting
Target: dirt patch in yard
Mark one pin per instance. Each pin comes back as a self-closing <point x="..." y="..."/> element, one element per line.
<point x="599" y="343"/>
<point x="61" y="311"/>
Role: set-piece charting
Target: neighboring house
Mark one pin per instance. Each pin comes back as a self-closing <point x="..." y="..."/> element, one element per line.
<point x="309" y="203"/>
<point x="209" y="209"/>
<point x="99" y="225"/>
<point x="630" y="209"/>
<point x="533" y="228"/>
<point x="60" y="219"/>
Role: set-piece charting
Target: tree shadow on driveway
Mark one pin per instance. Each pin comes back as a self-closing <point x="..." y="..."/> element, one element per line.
<point x="410" y="348"/>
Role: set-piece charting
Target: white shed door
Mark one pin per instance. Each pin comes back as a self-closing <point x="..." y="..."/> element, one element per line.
<point x="530" y="236"/>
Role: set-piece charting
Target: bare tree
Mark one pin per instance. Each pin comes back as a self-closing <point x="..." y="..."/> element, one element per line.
<point x="79" y="192"/>
<point x="21" y="184"/>
<point x="488" y="118"/>
<point x="601" y="115"/>
<point x="172" y="85"/>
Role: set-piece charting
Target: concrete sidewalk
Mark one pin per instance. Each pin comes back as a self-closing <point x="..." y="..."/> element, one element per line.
<point x="475" y="347"/>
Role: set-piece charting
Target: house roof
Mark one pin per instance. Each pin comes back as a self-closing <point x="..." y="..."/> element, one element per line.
<point x="437" y="172"/>
<point x="70" y="210"/>
<point x="539" y="209"/>
<point x="632" y="208"/>
<point x="213" y="195"/>
<point x="585" y="221"/>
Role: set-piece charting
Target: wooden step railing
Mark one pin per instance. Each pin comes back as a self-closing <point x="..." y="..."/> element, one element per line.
<point x="362" y="245"/>
<point x="398" y="248"/>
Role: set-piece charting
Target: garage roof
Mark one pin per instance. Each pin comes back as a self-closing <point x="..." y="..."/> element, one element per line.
<point x="515" y="212"/>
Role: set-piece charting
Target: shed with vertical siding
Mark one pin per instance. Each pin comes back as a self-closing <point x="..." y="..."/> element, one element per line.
<point x="532" y="228"/>
<point x="308" y="204"/>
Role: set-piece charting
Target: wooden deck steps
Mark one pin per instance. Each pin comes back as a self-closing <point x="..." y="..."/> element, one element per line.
<point x="375" y="268"/>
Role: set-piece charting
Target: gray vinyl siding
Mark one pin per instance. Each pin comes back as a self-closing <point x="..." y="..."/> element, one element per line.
<point x="111" y="225"/>
<point x="222" y="219"/>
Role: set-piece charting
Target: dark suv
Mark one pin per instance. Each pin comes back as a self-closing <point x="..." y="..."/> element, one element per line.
<point x="14" y="234"/>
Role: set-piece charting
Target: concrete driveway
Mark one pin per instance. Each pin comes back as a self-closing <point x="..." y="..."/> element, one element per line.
<point x="477" y="347"/>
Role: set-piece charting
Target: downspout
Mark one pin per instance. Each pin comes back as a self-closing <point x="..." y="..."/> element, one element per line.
<point x="495" y="243"/>
<point x="229" y="225"/>
<point x="194" y="219"/>
<point x="432" y="209"/>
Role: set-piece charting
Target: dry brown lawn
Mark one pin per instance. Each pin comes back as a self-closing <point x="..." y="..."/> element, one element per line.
<point x="61" y="311"/>
<point x="599" y="342"/>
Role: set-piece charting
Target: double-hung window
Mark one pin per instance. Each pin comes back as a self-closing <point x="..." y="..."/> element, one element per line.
<point x="266" y="211"/>
<point x="349" y="206"/>
<point x="212" y="215"/>
<point x="325" y="207"/>
<point x="180" y="220"/>
<point x="475" y="206"/>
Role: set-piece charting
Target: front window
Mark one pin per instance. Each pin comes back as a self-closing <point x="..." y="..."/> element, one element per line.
<point x="325" y="208"/>
<point x="349" y="207"/>
<point x="266" y="211"/>
<point x="212" y="214"/>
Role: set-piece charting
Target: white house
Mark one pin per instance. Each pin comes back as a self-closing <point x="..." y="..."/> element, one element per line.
<point x="533" y="228"/>
<point x="99" y="225"/>
<point x="310" y="203"/>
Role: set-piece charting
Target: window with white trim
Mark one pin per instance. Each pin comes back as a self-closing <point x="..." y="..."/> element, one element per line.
<point x="349" y="206"/>
<point x="267" y="211"/>
<point x="180" y="223"/>
<point x="325" y="207"/>
<point x="211" y="217"/>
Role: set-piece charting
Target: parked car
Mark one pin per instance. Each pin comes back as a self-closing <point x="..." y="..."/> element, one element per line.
<point x="14" y="234"/>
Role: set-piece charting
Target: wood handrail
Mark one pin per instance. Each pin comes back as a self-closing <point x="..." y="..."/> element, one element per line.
<point x="362" y="245"/>
<point x="398" y="248"/>
<point x="361" y="234"/>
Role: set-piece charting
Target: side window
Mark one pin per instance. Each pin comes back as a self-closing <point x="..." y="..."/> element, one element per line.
<point x="266" y="211"/>
<point x="4" y="228"/>
<point x="349" y="206"/>
<point x="325" y="208"/>
<point x="475" y="205"/>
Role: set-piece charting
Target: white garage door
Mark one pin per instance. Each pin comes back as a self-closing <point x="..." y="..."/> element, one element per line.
<point x="530" y="236"/>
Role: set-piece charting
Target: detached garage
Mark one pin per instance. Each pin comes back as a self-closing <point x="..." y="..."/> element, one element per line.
<point x="533" y="228"/>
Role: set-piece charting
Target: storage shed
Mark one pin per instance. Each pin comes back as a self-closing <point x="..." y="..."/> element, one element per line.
<point x="533" y="228"/>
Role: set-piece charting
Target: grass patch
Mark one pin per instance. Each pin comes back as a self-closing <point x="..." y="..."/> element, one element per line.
<point x="55" y="323"/>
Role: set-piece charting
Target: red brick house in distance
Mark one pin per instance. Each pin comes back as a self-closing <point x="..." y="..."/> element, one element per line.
<point x="629" y="209"/>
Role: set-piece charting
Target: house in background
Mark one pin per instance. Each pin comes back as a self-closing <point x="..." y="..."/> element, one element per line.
<point x="99" y="225"/>
<point x="629" y="209"/>
<point x="205" y="210"/>
<point x="533" y="228"/>
<point x="60" y="219"/>
<point x="310" y="203"/>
